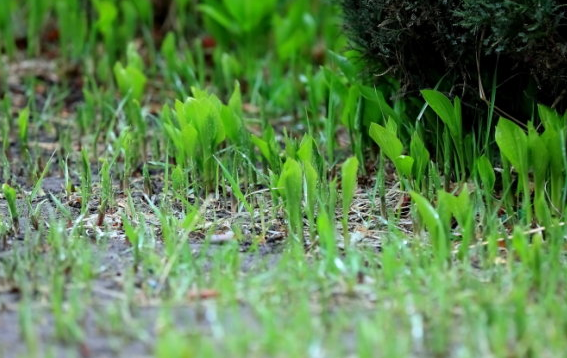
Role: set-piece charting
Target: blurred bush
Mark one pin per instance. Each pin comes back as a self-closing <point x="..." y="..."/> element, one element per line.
<point x="461" y="45"/>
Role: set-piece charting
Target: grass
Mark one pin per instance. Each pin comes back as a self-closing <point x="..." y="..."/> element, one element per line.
<point x="188" y="187"/>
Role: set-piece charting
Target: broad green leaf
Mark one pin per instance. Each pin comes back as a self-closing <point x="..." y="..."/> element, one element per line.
<point x="550" y="118"/>
<point x="23" y="125"/>
<point x="248" y="14"/>
<point x="392" y="126"/>
<point x="429" y="215"/>
<point x="10" y="195"/>
<point x="290" y="184"/>
<point x="189" y="136"/>
<point x="538" y="157"/>
<point x="486" y="173"/>
<point x="433" y="224"/>
<point x="387" y="141"/>
<point x="349" y="182"/>
<point x="305" y="152"/>
<point x="107" y="14"/>
<point x="235" y="101"/>
<point x="442" y="106"/>
<point x="174" y="135"/>
<point x="542" y="210"/>
<point x="377" y="97"/>
<point x="131" y="81"/>
<point x="404" y="164"/>
<point x="463" y="206"/>
<point x="349" y="108"/>
<point x="311" y="183"/>
<point x="421" y="156"/>
<point x="446" y="203"/>
<point x="345" y="65"/>
<point x="291" y="179"/>
<point x="134" y="58"/>
<point x="520" y="244"/>
<point x="168" y="51"/>
<point x="326" y="232"/>
<point x="555" y="146"/>
<point x="232" y="124"/>
<point x="513" y="144"/>
<point x="552" y="140"/>
<point x="263" y="147"/>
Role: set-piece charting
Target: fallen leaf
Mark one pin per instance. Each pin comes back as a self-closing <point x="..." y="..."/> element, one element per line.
<point x="204" y="294"/>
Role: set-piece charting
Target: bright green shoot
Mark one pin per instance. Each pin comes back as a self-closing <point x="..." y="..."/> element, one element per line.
<point x="131" y="79"/>
<point x="86" y="181"/>
<point x="290" y="184"/>
<point x="23" y="126"/>
<point x="349" y="183"/>
<point x="307" y="154"/>
<point x="10" y="195"/>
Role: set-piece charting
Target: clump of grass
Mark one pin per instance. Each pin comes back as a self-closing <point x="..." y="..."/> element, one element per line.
<point x="10" y="196"/>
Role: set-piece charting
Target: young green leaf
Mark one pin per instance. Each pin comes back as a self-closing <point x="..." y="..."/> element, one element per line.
<point x="23" y="125"/>
<point x="513" y="144"/>
<point x="486" y="173"/>
<point x="421" y="157"/>
<point x="349" y="181"/>
<point x="10" y="195"/>
<point x="449" y="114"/>
<point x="387" y="141"/>
<point x="235" y="187"/>
<point x="404" y="164"/>
<point x="326" y="231"/>
<point x="291" y="187"/>
<point x="434" y="225"/>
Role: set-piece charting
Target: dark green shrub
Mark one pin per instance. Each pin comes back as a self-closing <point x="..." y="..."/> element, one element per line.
<point x="459" y="44"/>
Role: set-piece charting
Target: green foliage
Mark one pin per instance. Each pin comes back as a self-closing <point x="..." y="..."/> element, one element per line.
<point x="410" y="167"/>
<point x="294" y="30"/>
<point x="240" y="17"/>
<point x="199" y="125"/>
<point x="131" y="79"/>
<point x="73" y="27"/>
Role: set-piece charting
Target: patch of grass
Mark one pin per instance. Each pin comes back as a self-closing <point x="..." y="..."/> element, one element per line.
<point x="177" y="185"/>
